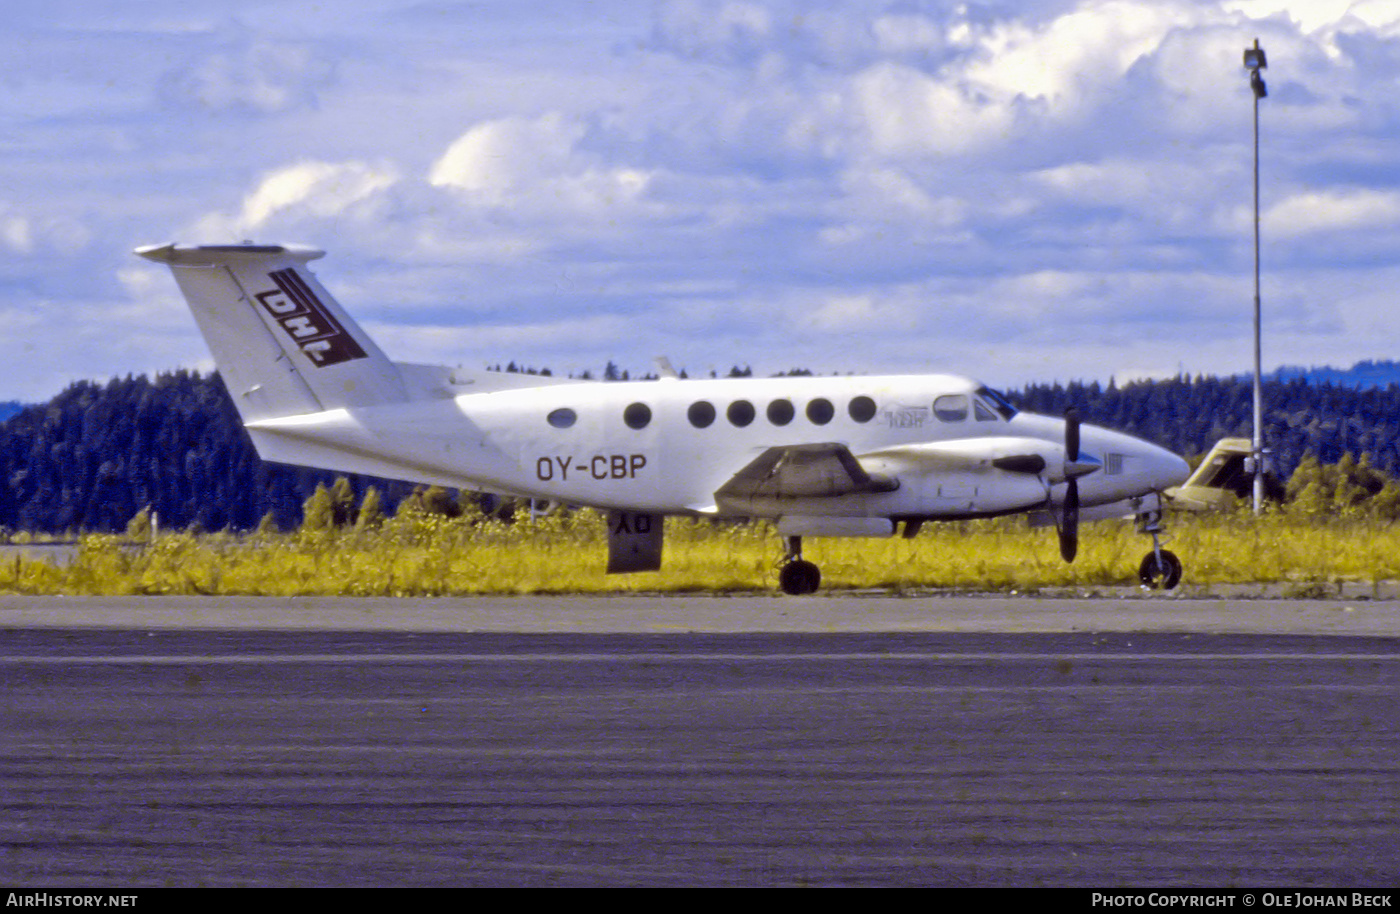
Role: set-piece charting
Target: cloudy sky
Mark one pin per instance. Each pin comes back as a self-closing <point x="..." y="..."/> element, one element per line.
<point x="1019" y="191"/>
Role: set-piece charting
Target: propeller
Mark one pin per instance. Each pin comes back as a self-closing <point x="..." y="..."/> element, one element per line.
<point x="1069" y="514"/>
<point x="1075" y="466"/>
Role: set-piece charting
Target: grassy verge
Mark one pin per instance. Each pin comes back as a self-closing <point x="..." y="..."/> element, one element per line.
<point x="424" y="555"/>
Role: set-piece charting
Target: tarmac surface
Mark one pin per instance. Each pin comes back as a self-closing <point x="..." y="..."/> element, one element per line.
<point x="1125" y="610"/>
<point x="825" y="740"/>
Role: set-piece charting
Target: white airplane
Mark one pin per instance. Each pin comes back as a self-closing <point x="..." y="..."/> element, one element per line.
<point x="838" y="456"/>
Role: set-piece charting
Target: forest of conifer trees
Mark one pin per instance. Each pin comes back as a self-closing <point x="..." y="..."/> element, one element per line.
<point x="97" y="454"/>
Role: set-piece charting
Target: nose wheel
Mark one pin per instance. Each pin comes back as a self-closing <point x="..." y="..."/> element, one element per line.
<point x="1160" y="568"/>
<point x="798" y="576"/>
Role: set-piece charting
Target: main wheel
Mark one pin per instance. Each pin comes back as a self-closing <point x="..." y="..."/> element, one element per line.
<point x="799" y="577"/>
<point x="1163" y="575"/>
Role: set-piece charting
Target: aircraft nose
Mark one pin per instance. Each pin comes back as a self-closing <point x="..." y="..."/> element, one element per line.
<point x="1164" y="468"/>
<point x="1133" y="466"/>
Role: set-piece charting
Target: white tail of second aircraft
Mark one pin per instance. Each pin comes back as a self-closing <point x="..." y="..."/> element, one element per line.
<point x="283" y="345"/>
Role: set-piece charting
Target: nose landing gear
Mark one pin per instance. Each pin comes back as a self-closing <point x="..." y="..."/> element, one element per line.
<point x="797" y="576"/>
<point x="1160" y="569"/>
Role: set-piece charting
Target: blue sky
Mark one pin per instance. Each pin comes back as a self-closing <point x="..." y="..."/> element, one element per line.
<point x="1016" y="191"/>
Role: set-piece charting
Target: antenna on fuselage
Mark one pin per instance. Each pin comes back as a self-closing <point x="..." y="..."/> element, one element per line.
<point x="665" y="370"/>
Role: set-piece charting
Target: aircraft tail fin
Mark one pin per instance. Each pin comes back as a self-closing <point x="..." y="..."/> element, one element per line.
<point x="1223" y="477"/>
<point x="283" y="345"/>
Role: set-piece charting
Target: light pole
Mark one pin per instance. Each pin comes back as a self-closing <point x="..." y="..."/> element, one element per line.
<point x="1254" y="61"/>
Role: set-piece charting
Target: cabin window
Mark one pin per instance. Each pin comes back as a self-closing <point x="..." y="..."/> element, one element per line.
<point x="780" y="412"/>
<point x="740" y="413"/>
<point x="637" y="415"/>
<point x="951" y="408"/>
<point x="562" y="418"/>
<point x="701" y="414"/>
<point x="820" y="411"/>
<point x="862" y="409"/>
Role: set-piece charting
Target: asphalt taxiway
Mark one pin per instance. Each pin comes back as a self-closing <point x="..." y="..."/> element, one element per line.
<point x="829" y="740"/>
<point x="1129" y="611"/>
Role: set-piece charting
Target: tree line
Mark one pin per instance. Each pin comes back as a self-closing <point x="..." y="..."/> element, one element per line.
<point x="1188" y="415"/>
<point x="96" y="455"/>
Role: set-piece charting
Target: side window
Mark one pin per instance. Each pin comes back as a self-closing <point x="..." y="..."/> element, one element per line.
<point x="562" y="417"/>
<point x="740" y="413"/>
<point x="862" y="409"/>
<point x="820" y="411"/>
<point x="637" y="415"/>
<point x="780" y="412"/>
<point x="983" y="412"/>
<point x="951" y="408"/>
<point x="701" y="414"/>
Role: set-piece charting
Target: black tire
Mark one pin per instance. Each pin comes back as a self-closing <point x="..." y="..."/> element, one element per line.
<point x="1163" y="576"/>
<point x="799" y="577"/>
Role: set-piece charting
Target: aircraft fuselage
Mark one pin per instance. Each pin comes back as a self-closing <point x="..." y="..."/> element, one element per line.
<point x="668" y="446"/>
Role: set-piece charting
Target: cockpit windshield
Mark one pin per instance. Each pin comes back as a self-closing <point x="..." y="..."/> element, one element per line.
<point x="997" y="402"/>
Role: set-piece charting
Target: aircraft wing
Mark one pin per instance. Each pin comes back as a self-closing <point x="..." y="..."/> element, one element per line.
<point x="803" y="471"/>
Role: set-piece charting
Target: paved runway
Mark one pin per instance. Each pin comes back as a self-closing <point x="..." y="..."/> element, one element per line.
<point x="699" y="741"/>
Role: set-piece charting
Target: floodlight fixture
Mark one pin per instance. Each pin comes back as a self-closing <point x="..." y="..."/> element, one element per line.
<point x="1254" y="58"/>
<point x="1254" y="61"/>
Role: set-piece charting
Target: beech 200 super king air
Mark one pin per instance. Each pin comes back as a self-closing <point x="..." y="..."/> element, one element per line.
<point x="838" y="456"/>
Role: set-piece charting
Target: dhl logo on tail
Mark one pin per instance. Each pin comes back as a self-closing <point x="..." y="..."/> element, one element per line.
<point x="297" y="309"/>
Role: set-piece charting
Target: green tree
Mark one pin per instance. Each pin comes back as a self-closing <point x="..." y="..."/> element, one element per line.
<point x="342" y="502"/>
<point x="371" y="514"/>
<point x="318" y="511"/>
<point x="1307" y="490"/>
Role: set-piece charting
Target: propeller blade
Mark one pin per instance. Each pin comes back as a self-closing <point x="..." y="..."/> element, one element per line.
<point x="1071" y="434"/>
<point x="1069" y="523"/>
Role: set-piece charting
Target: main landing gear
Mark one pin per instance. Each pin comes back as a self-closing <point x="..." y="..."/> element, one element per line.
<point x="797" y="576"/>
<point x="1160" y="569"/>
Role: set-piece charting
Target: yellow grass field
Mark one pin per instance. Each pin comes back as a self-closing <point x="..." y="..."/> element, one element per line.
<point x="423" y="555"/>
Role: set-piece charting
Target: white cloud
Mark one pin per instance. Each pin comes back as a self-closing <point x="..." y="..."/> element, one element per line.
<point x="537" y="164"/>
<point x="29" y="233"/>
<point x="1355" y="210"/>
<point x="867" y="185"/>
<point x="319" y="188"/>
<point x="1319" y="15"/>
<point x="499" y="158"/>
<point x="308" y="190"/>
<point x="1008" y="81"/>
<point x="15" y="233"/>
<point x="844" y="312"/>
<point x="1077" y="55"/>
<point x="907" y="112"/>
